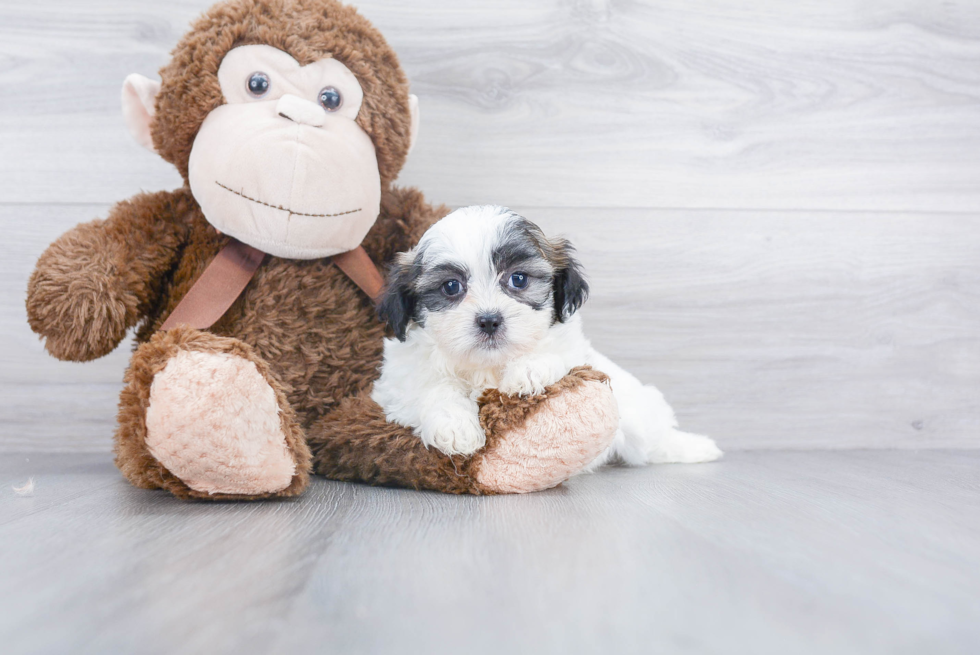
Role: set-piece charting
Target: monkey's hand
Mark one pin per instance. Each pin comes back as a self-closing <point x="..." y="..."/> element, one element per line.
<point x="539" y="441"/>
<point x="97" y="279"/>
<point x="75" y="299"/>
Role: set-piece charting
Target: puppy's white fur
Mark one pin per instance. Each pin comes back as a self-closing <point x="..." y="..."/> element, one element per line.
<point x="431" y="380"/>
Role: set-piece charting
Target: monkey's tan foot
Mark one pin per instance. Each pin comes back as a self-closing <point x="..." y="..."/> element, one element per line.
<point x="538" y="442"/>
<point x="202" y="417"/>
<point x="213" y="422"/>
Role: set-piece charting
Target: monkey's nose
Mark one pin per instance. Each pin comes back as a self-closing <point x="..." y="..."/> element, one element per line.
<point x="301" y="111"/>
<point x="489" y="323"/>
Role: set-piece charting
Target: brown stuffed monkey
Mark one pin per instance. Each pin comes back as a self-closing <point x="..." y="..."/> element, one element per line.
<point x="288" y="121"/>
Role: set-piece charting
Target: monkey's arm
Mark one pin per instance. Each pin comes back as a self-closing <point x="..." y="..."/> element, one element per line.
<point x="100" y="278"/>
<point x="533" y="443"/>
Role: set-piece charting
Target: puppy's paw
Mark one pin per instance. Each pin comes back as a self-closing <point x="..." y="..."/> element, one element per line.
<point x="453" y="433"/>
<point x="528" y="376"/>
<point x="684" y="448"/>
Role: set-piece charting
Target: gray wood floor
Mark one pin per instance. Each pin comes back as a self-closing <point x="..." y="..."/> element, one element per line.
<point x="762" y="552"/>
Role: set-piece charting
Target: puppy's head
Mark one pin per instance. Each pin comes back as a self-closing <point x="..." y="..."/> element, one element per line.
<point x="485" y="283"/>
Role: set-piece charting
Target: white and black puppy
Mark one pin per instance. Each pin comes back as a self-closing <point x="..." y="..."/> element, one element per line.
<point x="487" y="301"/>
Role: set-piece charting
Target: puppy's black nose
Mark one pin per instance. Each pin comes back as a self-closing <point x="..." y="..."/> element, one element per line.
<point x="489" y="323"/>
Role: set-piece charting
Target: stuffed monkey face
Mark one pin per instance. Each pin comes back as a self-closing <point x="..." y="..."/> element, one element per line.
<point x="281" y="165"/>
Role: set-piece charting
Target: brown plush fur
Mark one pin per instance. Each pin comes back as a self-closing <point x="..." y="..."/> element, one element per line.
<point x="310" y="331"/>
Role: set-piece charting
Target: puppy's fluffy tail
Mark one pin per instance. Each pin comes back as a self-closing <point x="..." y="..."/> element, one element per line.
<point x="648" y="425"/>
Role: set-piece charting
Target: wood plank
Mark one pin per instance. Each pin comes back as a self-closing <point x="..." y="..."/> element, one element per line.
<point x="792" y="330"/>
<point x="774" y="552"/>
<point x="764" y="330"/>
<point x="831" y="105"/>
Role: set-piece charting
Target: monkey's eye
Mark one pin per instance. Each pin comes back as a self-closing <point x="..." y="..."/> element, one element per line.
<point x="518" y="280"/>
<point x="330" y="99"/>
<point x="258" y="84"/>
<point x="452" y="288"/>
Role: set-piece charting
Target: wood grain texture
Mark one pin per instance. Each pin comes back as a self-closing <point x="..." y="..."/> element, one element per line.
<point x="830" y="105"/>
<point x="857" y="552"/>
<point x="764" y="330"/>
<point x="792" y="330"/>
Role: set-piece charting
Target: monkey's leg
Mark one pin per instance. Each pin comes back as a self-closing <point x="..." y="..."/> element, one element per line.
<point x="202" y="417"/>
<point x="532" y="443"/>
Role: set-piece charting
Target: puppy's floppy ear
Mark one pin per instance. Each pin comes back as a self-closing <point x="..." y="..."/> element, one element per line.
<point x="570" y="288"/>
<point x="397" y="306"/>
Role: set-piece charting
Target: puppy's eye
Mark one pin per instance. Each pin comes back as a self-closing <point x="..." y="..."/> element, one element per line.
<point x="452" y="288"/>
<point x="518" y="280"/>
<point x="258" y="84"/>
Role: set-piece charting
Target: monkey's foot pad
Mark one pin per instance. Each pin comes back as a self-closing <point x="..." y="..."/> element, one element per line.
<point x="548" y="438"/>
<point x="213" y="421"/>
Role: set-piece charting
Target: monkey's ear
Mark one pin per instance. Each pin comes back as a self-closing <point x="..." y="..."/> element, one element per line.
<point x="397" y="305"/>
<point x="138" y="96"/>
<point x="413" y="107"/>
<point x="570" y="288"/>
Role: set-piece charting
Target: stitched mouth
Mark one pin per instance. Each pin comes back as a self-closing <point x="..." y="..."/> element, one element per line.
<point x="285" y="209"/>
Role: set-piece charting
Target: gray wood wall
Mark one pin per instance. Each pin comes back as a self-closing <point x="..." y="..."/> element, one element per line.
<point x="778" y="202"/>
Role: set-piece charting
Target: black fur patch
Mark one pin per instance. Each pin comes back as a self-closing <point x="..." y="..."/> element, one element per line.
<point x="399" y="302"/>
<point x="519" y="251"/>
<point x="523" y="244"/>
<point x="571" y="288"/>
